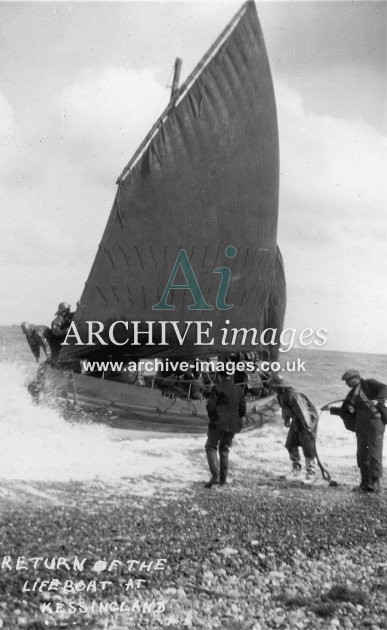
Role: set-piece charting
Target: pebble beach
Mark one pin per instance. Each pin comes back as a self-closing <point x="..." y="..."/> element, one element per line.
<point x="260" y="553"/>
<point x="97" y="532"/>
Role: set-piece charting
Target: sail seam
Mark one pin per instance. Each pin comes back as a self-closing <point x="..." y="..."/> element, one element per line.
<point x="110" y="257"/>
<point x="123" y="252"/>
<point x="115" y="294"/>
<point x="101" y="293"/>
<point x="139" y="256"/>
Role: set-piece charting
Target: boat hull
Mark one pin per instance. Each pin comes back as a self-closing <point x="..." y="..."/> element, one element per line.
<point x="140" y="406"/>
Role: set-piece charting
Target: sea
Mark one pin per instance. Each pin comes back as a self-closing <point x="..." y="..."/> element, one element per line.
<point x="39" y="444"/>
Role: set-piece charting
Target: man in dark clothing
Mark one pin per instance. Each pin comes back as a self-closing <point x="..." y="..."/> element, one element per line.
<point x="60" y="326"/>
<point x="364" y="411"/>
<point x="62" y="321"/>
<point x="226" y="408"/>
<point x="301" y="416"/>
<point x="38" y="337"/>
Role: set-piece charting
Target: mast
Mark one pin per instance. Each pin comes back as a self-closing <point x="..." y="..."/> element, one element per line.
<point x="181" y="92"/>
<point x="176" y="77"/>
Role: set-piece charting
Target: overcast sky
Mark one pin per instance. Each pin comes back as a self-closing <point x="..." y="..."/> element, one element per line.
<point x="81" y="83"/>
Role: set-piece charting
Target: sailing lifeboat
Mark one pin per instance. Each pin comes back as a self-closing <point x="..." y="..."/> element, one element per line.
<point x="205" y="181"/>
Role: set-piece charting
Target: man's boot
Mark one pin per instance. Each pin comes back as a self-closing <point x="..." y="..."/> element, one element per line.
<point x="212" y="459"/>
<point x="223" y="467"/>
<point x="365" y="483"/>
<point x="294" y="455"/>
<point x="310" y="465"/>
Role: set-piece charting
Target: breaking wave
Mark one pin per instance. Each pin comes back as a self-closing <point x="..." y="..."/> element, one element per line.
<point x="38" y="444"/>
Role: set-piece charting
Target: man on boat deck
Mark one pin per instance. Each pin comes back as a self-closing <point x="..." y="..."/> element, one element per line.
<point x="62" y="321"/>
<point x="364" y="411"/>
<point x="226" y="408"/>
<point x="60" y="326"/>
<point x="301" y="416"/>
<point x="38" y="337"/>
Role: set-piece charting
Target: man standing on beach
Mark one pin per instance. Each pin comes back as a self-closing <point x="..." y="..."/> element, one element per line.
<point x="226" y="408"/>
<point x="301" y="417"/>
<point x="364" y="411"/>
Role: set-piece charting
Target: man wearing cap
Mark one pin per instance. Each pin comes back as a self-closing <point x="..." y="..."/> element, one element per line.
<point x="301" y="417"/>
<point x="60" y="325"/>
<point x="226" y="408"/>
<point x="62" y="321"/>
<point x="364" y="411"/>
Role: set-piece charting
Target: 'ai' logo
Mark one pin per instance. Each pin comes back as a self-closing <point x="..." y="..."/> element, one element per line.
<point x="192" y="284"/>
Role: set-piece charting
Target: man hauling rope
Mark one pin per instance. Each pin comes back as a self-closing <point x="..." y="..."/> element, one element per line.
<point x="364" y="412"/>
<point x="301" y="417"/>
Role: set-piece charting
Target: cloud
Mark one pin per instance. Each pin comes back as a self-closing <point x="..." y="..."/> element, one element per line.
<point x="106" y="115"/>
<point x="344" y="159"/>
<point x="74" y="153"/>
<point x="332" y="223"/>
<point x="333" y="187"/>
<point x="58" y="184"/>
<point x="9" y="134"/>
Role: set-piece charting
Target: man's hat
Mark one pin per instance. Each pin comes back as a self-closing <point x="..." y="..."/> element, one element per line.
<point x="63" y="307"/>
<point x="350" y="374"/>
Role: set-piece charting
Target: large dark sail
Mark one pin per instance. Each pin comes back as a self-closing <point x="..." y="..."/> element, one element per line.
<point x="206" y="178"/>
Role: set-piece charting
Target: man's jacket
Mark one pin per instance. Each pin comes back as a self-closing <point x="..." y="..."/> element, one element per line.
<point x="40" y="337"/>
<point x="298" y="408"/>
<point x="358" y="409"/>
<point x="226" y="406"/>
<point x="61" y="324"/>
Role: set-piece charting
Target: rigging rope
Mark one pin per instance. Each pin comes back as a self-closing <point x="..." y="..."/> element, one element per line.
<point x="324" y="473"/>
